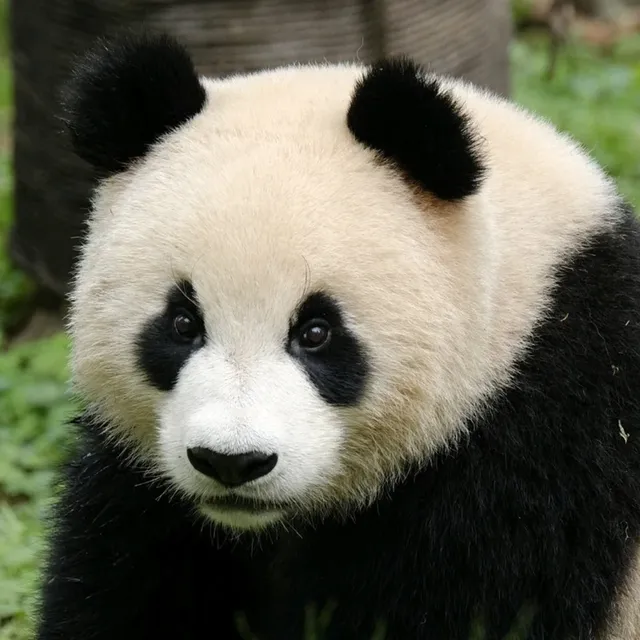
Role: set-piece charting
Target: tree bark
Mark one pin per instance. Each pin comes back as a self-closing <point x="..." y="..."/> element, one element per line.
<point x="52" y="188"/>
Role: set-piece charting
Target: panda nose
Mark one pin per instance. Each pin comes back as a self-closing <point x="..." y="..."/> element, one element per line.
<point x="231" y="470"/>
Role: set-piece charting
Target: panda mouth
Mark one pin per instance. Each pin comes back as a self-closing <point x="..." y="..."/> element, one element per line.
<point x="241" y="504"/>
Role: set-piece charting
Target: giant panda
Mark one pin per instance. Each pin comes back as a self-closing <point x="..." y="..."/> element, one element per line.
<point x="358" y="346"/>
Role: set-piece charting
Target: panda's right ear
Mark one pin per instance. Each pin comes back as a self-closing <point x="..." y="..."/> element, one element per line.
<point x="125" y="94"/>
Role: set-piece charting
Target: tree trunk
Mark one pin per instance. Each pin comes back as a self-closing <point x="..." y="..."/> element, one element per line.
<point x="52" y="188"/>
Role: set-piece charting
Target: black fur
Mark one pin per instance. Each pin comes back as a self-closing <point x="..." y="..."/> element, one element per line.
<point x="412" y="122"/>
<point x="116" y="558"/>
<point x="160" y="356"/>
<point x="340" y="371"/>
<point x="126" y="94"/>
<point x="539" y="506"/>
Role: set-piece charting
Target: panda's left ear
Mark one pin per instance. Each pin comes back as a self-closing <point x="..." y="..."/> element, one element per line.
<point x="410" y="120"/>
<point x="125" y="94"/>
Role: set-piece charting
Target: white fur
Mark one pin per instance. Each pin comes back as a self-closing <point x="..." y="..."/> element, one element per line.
<point x="261" y="402"/>
<point x="239" y="520"/>
<point x="625" y="622"/>
<point x="264" y="196"/>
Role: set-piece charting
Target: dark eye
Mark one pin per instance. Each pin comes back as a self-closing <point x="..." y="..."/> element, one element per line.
<point x="185" y="327"/>
<point x="314" y="335"/>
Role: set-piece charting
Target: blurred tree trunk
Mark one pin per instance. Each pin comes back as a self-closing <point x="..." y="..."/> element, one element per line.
<point x="52" y="188"/>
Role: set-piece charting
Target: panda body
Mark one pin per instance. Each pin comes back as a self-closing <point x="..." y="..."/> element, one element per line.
<point x="348" y="337"/>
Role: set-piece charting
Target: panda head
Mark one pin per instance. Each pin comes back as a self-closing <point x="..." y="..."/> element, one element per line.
<point x="277" y="299"/>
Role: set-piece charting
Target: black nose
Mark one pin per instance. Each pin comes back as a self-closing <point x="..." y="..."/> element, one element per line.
<point x="231" y="470"/>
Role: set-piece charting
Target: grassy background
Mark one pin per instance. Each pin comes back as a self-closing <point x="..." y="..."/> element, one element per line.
<point x="595" y="97"/>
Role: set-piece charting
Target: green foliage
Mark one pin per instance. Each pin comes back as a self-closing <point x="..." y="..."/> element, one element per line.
<point x="595" y="98"/>
<point x="521" y="9"/>
<point x="34" y="409"/>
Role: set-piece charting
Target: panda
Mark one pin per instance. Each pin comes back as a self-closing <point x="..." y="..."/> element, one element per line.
<point x="358" y="350"/>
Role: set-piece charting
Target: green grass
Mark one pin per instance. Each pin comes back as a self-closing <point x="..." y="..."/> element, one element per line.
<point x="34" y="406"/>
<point x="595" y="98"/>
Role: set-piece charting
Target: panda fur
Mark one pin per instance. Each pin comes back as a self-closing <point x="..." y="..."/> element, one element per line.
<point x="348" y="336"/>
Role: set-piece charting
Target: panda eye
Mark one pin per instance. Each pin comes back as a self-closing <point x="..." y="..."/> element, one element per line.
<point x="185" y="327"/>
<point x="315" y="335"/>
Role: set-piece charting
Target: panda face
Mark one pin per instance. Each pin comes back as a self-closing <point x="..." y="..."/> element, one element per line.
<point x="251" y="420"/>
<point x="243" y="316"/>
<point x="297" y="283"/>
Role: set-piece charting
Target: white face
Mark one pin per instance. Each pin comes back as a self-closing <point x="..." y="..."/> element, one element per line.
<point x="257" y="289"/>
<point x="281" y="231"/>
<point x="272" y="234"/>
<point x="260" y="400"/>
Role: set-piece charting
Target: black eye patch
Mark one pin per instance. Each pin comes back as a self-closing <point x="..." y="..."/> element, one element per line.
<point x="338" y="367"/>
<point x="162" y="349"/>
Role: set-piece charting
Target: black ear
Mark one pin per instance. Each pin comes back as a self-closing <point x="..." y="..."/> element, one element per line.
<point x="125" y="94"/>
<point x="411" y="121"/>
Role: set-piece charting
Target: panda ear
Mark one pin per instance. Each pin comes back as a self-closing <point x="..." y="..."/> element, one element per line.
<point x="410" y="120"/>
<point x="125" y="94"/>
